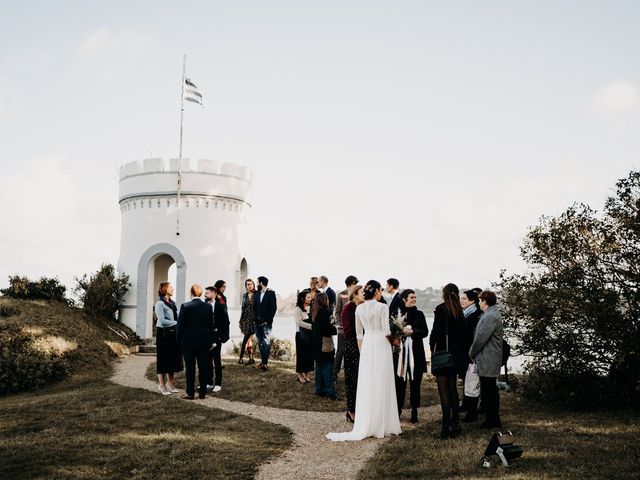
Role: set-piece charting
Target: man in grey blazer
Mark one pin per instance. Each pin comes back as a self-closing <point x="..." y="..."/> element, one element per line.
<point x="486" y="352"/>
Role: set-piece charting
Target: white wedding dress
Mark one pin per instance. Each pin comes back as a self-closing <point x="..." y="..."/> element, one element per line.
<point x="376" y="404"/>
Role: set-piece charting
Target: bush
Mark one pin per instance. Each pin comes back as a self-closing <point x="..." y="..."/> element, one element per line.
<point x="576" y="313"/>
<point x="8" y="311"/>
<point x="102" y="293"/>
<point x="24" y="365"/>
<point x="281" y="349"/>
<point x="44" y="289"/>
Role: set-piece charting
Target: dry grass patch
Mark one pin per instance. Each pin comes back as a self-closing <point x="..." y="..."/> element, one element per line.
<point x="557" y="444"/>
<point x="107" y="431"/>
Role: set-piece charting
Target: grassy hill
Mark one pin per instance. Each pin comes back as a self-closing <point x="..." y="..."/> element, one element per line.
<point x="84" y="426"/>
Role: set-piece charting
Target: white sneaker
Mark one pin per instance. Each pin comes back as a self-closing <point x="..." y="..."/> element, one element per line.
<point x="216" y="389"/>
<point x="164" y="390"/>
<point x="209" y="388"/>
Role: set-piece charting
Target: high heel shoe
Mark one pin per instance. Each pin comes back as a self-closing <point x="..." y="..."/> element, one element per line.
<point x="241" y="361"/>
<point x="251" y="361"/>
<point x="349" y="419"/>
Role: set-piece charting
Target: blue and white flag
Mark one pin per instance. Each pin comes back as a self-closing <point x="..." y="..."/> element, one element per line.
<point x="191" y="93"/>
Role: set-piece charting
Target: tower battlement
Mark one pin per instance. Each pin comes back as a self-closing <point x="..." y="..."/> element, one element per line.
<point x="154" y="178"/>
<point x="159" y="165"/>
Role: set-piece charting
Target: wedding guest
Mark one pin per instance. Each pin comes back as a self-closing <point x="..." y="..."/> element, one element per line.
<point x="265" y="308"/>
<point x="411" y="359"/>
<point x="341" y="301"/>
<point x="351" y="350"/>
<point x="313" y="288"/>
<point x="471" y="310"/>
<point x="393" y="284"/>
<point x="486" y="351"/>
<point x="304" y="353"/>
<point x="215" y="297"/>
<point x="448" y="336"/>
<point x="247" y="321"/>
<point x="323" y="284"/>
<point x="194" y="333"/>
<point x="168" y="356"/>
<point x="323" y="350"/>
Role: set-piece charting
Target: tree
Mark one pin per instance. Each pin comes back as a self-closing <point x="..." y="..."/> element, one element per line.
<point x="102" y="293"/>
<point x="44" y="289"/>
<point x="575" y="313"/>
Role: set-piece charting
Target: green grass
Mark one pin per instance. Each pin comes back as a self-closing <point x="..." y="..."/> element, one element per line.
<point x="278" y="387"/>
<point x="557" y="444"/>
<point x="87" y="427"/>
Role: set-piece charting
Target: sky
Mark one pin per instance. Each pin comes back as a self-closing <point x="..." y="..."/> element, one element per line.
<point x="412" y="139"/>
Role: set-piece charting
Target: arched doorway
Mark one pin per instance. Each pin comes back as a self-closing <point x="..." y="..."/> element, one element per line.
<point x="157" y="265"/>
<point x="244" y="273"/>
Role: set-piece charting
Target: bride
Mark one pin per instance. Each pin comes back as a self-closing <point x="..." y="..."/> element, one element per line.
<point x="376" y="404"/>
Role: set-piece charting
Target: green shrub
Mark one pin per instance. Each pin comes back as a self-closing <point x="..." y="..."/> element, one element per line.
<point x="281" y="349"/>
<point x="44" y="289"/>
<point x="8" y="311"/>
<point x="576" y="312"/>
<point x="102" y="293"/>
<point x="24" y="365"/>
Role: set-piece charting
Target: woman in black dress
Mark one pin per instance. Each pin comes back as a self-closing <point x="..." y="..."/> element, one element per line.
<point x="247" y="322"/>
<point x="168" y="356"/>
<point x="448" y="335"/>
<point x="351" y="350"/>
<point x="304" y="354"/>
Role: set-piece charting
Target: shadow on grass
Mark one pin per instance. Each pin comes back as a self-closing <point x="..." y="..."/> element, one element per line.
<point x="278" y="387"/>
<point x="557" y="444"/>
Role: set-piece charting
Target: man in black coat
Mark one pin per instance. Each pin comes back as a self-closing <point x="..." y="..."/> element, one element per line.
<point x="194" y="334"/>
<point x="394" y="299"/>
<point x="218" y="302"/>
<point x="265" y="307"/>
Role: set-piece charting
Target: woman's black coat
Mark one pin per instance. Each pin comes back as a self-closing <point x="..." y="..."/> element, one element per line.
<point x="322" y="328"/>
<point x="444" y="322"/>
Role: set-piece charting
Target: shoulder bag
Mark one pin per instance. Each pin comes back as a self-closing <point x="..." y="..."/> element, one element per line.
<point x="441" y="361"/>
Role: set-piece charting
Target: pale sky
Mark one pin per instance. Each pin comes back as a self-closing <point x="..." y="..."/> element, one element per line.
<point x="411" y="139"/>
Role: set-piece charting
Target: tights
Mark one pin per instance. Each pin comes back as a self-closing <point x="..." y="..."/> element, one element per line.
<point x="448" y="390"/>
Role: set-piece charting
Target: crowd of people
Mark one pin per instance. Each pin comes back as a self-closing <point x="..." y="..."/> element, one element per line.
<point x="197" y="332"/>
<point x="380" y="347"/>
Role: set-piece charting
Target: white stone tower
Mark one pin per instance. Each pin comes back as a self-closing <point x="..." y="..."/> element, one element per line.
<point x="214" y="204"/>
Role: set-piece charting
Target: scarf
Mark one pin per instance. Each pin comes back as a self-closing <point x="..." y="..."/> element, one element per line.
<point x="469" y="310"/>
<point x="405" y="356"/>
<point x="172" y="305"/>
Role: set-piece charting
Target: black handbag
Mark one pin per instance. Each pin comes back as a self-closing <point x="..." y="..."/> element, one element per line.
<point x="442" y="361"/>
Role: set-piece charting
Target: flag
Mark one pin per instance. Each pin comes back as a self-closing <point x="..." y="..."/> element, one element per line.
<point x="191" y="93"/>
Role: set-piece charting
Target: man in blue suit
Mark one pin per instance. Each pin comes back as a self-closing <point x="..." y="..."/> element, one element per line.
<point x="194" y="334"/>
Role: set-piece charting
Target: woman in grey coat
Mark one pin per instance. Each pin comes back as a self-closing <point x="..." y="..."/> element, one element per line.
<point x="486" y="352"/>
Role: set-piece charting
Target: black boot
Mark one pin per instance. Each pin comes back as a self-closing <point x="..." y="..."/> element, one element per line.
<point x="414" y="415"/>
<point x="445" y="432"/>
<point x="455" y="428"/>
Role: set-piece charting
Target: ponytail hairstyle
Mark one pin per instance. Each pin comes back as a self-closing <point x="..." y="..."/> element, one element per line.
<point x="370" y="289"/>
<point x="473" y="296"/>
<point x="451" y="297"/>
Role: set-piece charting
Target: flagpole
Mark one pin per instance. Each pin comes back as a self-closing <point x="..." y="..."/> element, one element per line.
<point x="184" y="70"/>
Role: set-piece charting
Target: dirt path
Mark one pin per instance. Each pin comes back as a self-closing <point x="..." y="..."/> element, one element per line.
<point x="311" y="457"/>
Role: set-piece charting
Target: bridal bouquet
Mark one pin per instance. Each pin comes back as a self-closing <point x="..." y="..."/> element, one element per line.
<point x="399" y="325"/>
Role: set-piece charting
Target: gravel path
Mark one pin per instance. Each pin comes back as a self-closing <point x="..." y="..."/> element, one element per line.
<point x="309" y="428"/>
